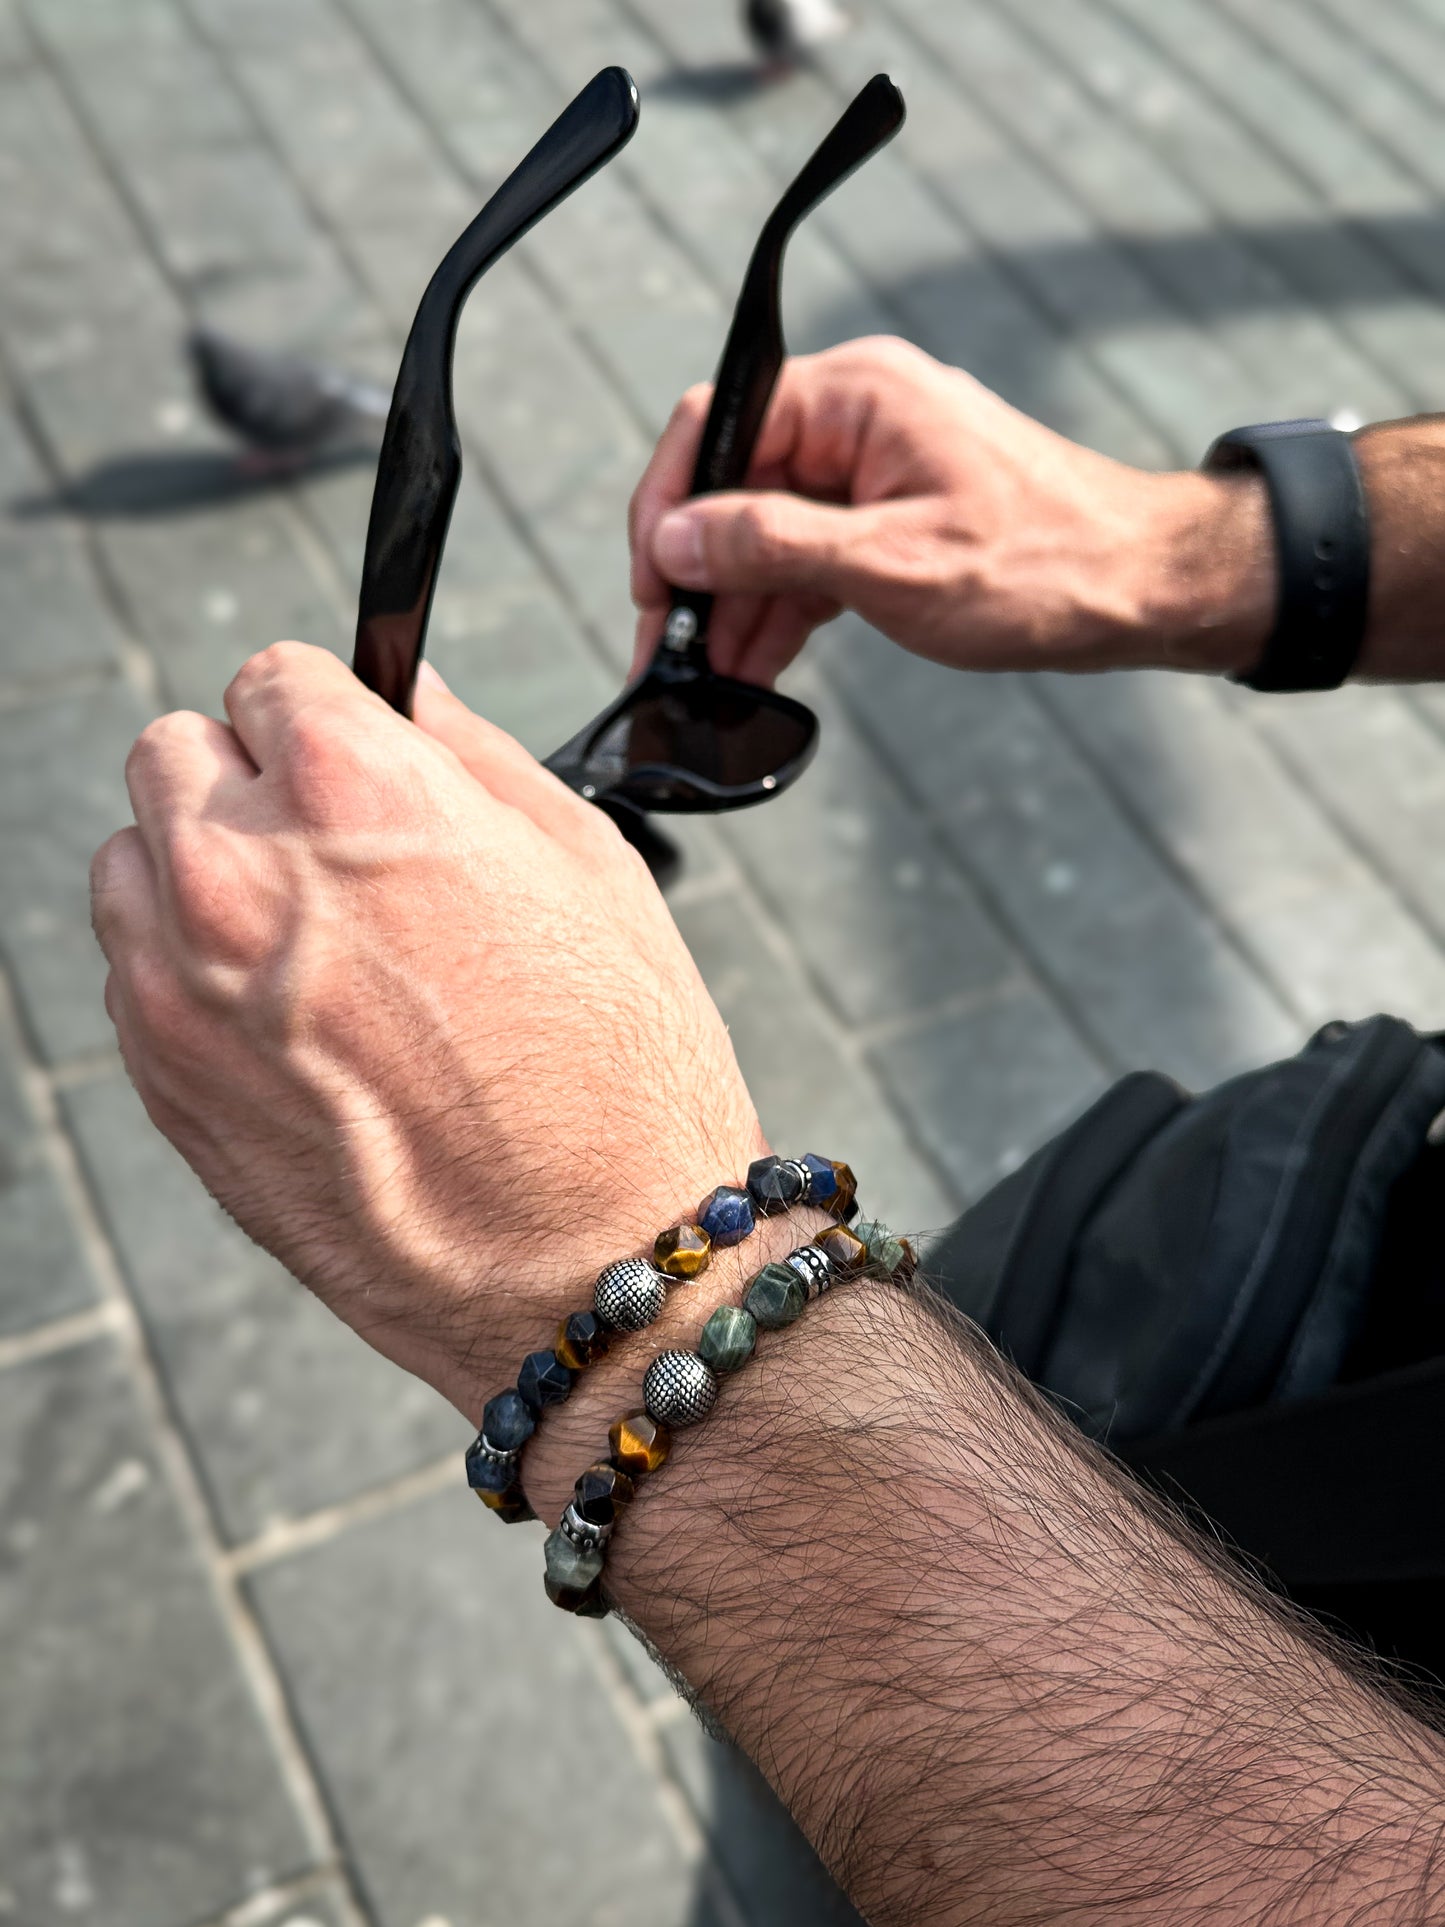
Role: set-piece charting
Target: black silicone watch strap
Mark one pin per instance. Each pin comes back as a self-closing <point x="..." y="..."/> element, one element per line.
<point x="1322" y="542"/>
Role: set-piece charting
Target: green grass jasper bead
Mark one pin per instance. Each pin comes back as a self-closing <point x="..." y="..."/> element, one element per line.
<point x="728" y="1338"/>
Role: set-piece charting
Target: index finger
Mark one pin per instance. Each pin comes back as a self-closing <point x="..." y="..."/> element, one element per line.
<point x="808" y="441"/>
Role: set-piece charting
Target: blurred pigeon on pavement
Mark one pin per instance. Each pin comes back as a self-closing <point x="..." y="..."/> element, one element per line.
<point x="785" y="31"/>
<point x="287" y="410"/>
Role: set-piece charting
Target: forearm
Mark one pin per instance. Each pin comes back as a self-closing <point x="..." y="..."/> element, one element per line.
<point x="1208" y="599"/>
<point x="990" y="1683"/>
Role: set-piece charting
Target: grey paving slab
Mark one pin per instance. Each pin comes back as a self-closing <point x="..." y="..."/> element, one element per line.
<point x="248" y="1356"/>
<point x="1037" y="1072"/>
<point x="45" y="1272"/>
<point x="424" y="1640"/>
<point x="1294" y="891"/>
<point x="1375" y="764"/>
<point x="54" y="620"/>
<point x="1287" y="352"/>
<point x="1339" y="160"/>
<point x="1341" y="64"/>
<point x="772" y="1870"/>
<point x="62" y="792"/>
<point x="139" y="1788"/>
<point x="847" y="835"/>
<point x="1332" y="265"/>
<point x="1078" y="884"/>
<point x="806" y="1084"/>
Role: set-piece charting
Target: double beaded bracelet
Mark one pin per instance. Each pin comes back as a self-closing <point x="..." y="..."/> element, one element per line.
<point x="627" y="1297"/>
<point x="680" y="1389"/>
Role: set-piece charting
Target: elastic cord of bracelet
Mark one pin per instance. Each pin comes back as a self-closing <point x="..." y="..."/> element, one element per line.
<point x="627" y="1297"/>
<point x="680" y="1389"/>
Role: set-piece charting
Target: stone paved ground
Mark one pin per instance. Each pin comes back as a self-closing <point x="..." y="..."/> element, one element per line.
<point x="260" y="1662"/>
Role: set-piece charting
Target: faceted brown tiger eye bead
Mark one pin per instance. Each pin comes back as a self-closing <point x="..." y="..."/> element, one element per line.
<point x="639" y="1444"/>
<point x="510" y="1506"/>
<point x="682" y="1252"/>
<point x="580" y="1339"/>
<point x="601" y="1493"/>
<point x="844" y="1201"/>
<point x="846" y="1251"/>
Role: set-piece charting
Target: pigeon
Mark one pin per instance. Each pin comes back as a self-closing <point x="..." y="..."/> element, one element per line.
<point x="786" y="31"/>
<point x="287" y="411"/>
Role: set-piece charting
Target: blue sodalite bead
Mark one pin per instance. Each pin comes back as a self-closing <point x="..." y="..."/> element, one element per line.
<point x="543" y="1380"/>
<point x="726" y="1215"/>
<point x="822" y="1178"/>
<point x="507" y="1422"/>
<point x="489" y="1475"/>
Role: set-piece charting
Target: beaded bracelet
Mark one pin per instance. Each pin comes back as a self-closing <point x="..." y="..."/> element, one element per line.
<point x="627" y="1297"/>
<point x="680" y="1389"/>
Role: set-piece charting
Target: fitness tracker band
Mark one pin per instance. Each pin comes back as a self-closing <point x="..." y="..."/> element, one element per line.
<point x="1322" y="544"/>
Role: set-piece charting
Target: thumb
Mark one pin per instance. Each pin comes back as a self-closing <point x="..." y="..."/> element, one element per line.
<point x="771" y="544"/>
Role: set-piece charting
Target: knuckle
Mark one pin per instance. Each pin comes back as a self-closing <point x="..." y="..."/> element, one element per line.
<point x="324" y="771"/>
<point x="159" y="741"/>
<point x="152" y="996"/>
<point x="269" y="666"/>
<point x="105" y="864"/>
<point x="759" y="540"/>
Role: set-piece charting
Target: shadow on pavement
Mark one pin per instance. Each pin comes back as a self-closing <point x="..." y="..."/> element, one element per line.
<point x="152" y="483"/>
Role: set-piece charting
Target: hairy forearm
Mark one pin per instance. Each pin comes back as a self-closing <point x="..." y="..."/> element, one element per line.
<point x="992" y="1682"/>
<point x="1210" y="597"/>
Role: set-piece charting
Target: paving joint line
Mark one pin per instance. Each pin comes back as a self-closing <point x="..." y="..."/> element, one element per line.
<point x="267" y="1907"/>
<point x="642" y="1730"/>
<point x="287" y="1537"/>
<point x="59" y="1335"/>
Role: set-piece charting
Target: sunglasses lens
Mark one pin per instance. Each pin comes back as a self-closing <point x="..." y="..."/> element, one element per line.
<point x="726" y="735"/>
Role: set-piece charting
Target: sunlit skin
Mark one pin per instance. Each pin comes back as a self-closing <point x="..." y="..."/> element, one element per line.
<point x="419" y="1019"/>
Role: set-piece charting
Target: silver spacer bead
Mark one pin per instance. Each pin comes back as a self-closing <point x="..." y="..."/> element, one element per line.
<point x="803" y="1175"/>
<point x="493" y="1454"/>
<point x="629" y="1294"/>
<point x="681" y="629"/>
<point x="582" y="1532"/>
<point x="678" y="1389"/>
<point x="812" y="1266"/>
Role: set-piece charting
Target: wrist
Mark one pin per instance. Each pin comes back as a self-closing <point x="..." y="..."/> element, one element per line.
<point x="1207" y="596"/>
<point x="575" y="1435"/>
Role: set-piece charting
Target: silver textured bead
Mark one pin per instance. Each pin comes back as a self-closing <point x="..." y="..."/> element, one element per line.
<point x="629" y="1294"/>
<point x="494" y="1454"/>
<point x="812" y="1266"/>
<point x="678" y="1389"/>
<point x="582" y="1532"/>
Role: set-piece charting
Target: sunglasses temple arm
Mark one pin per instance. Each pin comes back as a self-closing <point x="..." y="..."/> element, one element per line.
<point x="420" y="465"/>
<point x="752" y="358"/>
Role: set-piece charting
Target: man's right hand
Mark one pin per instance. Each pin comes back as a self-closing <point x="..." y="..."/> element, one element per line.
<point x="887" y="483"/>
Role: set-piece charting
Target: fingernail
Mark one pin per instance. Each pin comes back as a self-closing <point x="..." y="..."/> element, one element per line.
<point x="429" y="676"/>
<point x="677" y="549"/>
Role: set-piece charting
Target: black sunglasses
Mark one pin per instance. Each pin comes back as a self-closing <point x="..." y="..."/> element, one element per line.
<point x="681" y="737"/>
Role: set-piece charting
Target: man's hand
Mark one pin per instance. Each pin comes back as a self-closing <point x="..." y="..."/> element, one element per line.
<point x="887" y="483"/>
<point x="415" y="1013"/>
